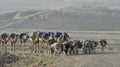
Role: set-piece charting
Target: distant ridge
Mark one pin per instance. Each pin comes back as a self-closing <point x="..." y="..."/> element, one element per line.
<point x="88" y="19"/>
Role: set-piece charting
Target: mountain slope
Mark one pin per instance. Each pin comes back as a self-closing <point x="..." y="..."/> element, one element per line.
<point x="63" y="19"/>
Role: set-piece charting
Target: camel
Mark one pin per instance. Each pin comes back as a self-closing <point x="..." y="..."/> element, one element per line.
<point x="23" y="38"/>
<point x="4" y="40"/>
<point x="13" y="39"/>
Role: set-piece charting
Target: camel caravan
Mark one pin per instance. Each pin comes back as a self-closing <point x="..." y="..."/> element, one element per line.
<point x="54" y="43"/>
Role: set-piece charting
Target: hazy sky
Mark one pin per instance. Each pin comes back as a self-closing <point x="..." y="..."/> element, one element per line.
<point x="15" y="5"/>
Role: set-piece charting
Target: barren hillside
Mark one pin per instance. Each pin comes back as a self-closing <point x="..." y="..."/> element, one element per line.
<point x="63" y="19"/>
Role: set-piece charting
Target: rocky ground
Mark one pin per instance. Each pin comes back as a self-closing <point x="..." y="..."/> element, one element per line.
<point x="109" y="58"/>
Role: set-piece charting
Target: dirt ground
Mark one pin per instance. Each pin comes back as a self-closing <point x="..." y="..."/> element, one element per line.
<point x="110" y="57"/>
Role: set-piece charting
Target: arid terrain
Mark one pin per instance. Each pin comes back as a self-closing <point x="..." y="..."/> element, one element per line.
<point x="80" y="24"/>
<point x="109" y="58"/>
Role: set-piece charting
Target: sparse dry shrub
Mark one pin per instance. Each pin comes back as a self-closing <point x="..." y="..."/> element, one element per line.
<point x="7" y="58"/>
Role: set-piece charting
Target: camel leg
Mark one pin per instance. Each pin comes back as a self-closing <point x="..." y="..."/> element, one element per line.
<point x="2" y="46"/>
<point x="74" y="51"/>
<point x="89" y="50"/>
<point x="11" y="46"/>
<point x="77" y="51"/>
<point x="24" y="46"/>
<point x="102" y="49"/>
<point x="47" y="49"/>
<point x="32" y="47"/>
<point x="35" y="49"/>
<point x="41" y="46"/>
<point x="14" y="46"/>
<point x="20" y="45"/>
<point x="38" y="47"/>
<point x="5" y="47"/>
